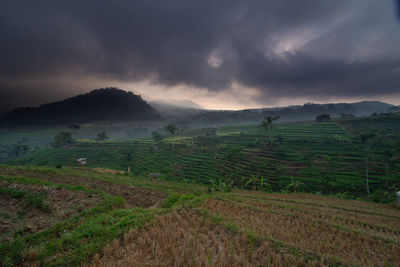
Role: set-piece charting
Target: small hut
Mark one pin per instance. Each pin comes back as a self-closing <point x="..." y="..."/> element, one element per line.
<point x="81" y="161"/>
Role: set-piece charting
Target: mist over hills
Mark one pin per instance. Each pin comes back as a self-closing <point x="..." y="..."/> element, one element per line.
<point x="177" y="108"/>
<point x="105" y="104"/>
<point x="178" y="103"/>
<point x="116" y="105"/>
<point x="308" y="111"/>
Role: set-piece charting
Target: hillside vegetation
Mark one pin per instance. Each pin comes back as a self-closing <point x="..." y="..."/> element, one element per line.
<point x="120" y="219"/>
<point x="328" y="158"/>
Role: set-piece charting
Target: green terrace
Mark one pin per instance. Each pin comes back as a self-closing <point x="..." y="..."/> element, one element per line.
<point x="324" y="157"/>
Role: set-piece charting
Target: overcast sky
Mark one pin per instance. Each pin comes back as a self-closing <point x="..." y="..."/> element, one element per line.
<point x="221" y="54"/>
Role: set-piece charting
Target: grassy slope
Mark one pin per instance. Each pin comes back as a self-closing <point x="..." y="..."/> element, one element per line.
<point x="75" y="239"/>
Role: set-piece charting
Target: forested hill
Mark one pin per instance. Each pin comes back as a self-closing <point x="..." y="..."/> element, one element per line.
<point x="103" y="104"/>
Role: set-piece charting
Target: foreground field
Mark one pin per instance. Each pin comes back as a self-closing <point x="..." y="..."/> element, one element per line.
<point x="73" y="216"/>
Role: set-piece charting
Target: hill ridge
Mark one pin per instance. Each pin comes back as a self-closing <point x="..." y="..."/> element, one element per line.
<point x="102" y="104"/>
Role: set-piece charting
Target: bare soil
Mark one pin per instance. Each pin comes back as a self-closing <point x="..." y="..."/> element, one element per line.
<point x="186" y="239"/>
<point x="104" y="170"/>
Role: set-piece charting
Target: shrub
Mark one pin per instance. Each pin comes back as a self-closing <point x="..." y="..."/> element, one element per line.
<point x="102" y="136"/>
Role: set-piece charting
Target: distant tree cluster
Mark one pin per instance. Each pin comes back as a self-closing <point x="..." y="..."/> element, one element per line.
<point x="157" y="137"/>
<point x="323" y="118"/>
<point x="171" y="128"/>
<point x="62" y="139"/>
<point x="102" y="136"/>
<point x="74" y="127"/>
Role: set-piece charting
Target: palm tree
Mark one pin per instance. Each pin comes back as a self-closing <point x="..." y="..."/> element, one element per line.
<point x="294" y="184"/>
<point x="251" y="180"/>
<point x="267" y="124"/>
<point x="388" y="159"/>
<point x="332" y="168"/>
<point x="264" y="186"/>
<point x="279" y="171"/>
<point x="366" y="145"/>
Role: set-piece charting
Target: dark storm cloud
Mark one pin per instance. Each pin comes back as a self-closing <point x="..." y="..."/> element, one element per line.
<point x="398" y="9"/>
<point x="280" y="47"/>
<point x="302" y="74"/>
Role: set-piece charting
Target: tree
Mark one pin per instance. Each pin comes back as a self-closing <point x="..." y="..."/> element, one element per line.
<point x="171" y="128"/>
<point x="267" y="124"/>
<point x="398" y="146"/>
<point x="331" y="166"/>
<point x="101" y="136"/>
<point x="364" y="138"/>
<point x="280" y="169"/>
<point x="323" y="118"/>
<point x="126" y="158"/>
<point x="157" y="136"/>
<point x="388" y="160"/>
<point x="74" y="127"/>
<point x="251" y="181"/>
<point x="21" y="149"/>
<point x="294" y="184"/>
<point x="62" y="138"/>
<point x="340" y="139"/>
<point x="315" y="173"/>
<point x="264" y="186"/>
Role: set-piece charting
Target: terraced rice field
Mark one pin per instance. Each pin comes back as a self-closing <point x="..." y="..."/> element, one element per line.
<point x="325" y="157"/>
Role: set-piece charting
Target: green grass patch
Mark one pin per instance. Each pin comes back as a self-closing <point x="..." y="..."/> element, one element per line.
<point x="32" y="199"/>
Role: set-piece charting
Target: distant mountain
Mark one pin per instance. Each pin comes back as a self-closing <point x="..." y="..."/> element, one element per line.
<point x="304" y="112"/>
<point x="368" y="107"/>
<point x="105" y="104"/>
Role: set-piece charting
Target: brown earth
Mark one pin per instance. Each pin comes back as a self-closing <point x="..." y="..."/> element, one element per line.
<point x="185" y="239"/>
<point x="352" y="247"/>
<point x="19" y="215"/>
<point x="134" y="196"/>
